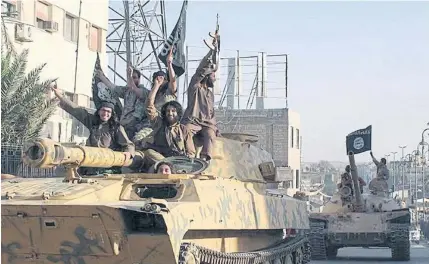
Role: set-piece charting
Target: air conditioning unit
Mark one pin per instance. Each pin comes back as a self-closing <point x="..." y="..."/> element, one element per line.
<point x="50" y="26"/>
<point x="23" y="32"/>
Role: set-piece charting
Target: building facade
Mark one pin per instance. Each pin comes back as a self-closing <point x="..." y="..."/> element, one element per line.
<point x="51" y="30"/>
<point x="278" y="131"/>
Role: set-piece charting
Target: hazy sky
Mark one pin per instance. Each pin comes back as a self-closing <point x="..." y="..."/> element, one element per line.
<point x="351" y="64"/>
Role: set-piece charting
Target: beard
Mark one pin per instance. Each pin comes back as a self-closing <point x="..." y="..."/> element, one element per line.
<point x="209" y="82"/>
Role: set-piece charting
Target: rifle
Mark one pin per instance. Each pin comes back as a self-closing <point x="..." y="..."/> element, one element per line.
<point x="216" y="34"/>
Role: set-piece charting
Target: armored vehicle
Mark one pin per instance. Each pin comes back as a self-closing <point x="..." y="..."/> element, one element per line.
<point x="216" y="212"/>
<point x="352" y="219"/>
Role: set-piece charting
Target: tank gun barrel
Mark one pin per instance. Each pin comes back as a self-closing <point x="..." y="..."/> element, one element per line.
<point x="47" y="153"/>
<point x="355" y="178"/>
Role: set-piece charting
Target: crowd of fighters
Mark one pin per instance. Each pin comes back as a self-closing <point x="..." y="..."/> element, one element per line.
<point x="154" y="114"/>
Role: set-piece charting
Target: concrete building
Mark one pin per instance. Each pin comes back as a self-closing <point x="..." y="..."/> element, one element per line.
<point x="50" y="29"/>
<point x="278" y="131"/>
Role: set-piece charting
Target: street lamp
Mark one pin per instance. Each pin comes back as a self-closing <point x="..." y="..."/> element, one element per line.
<point x="424" y="183"/>
<point x="403" y="170"/>
<point x="394" y="169"/>
<point x="416" y="157"/>
<point x="423" y="143"/>
<point x="409" y="159"/>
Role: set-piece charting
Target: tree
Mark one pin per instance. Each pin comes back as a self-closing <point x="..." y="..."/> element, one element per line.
<point x="25" y="107"/>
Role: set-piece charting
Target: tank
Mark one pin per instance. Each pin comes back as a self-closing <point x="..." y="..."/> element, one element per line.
<point x="360" y="220"/>
<point x="216" y="212"/>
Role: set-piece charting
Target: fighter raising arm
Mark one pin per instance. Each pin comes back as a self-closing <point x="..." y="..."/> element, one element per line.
<point x="199" y="116"/>
<point x="376" y="162"/>
<point x="172" y="84"/>
<point x="208" y="65"/>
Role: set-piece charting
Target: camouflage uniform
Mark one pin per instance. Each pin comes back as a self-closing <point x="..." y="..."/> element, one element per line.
<point x="199" y="116"/>
<point x="101" y="135"/>
<point x="168" y="140"/>
<point x="134" y="116"/>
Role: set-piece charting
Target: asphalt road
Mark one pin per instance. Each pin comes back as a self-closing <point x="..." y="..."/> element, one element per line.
<point x="419" y="255"/>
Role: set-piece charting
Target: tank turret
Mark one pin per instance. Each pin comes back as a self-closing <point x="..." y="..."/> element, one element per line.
<point x="352" y="219"/>
<point x="202" y="213"/>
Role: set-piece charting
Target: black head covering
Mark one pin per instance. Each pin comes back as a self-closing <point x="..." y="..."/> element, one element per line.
<point x="107" y="104"/>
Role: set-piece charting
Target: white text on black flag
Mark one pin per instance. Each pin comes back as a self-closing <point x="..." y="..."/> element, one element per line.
<point x="177" y="41"/>
<point x="359" y="141"/>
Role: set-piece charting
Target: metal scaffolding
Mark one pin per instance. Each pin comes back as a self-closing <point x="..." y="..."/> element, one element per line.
<point x="146" y="21"/>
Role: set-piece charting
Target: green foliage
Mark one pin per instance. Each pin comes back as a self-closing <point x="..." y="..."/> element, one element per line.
<point x="25" y="107"/>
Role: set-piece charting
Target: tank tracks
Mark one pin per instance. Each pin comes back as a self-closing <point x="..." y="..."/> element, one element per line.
<point x="293" y="251"/>
<point x="400" y="242"/>
<point x="318" y="241"/>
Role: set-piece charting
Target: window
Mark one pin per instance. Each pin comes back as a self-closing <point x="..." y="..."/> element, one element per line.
<point x="70" y="28"/>
<point x="297" y="182"/>
<point x="297" y="139"/>
<point x="42" y="14"/>
<point x="95" y="37"/>
<point x="8" y="8"/>
<point x="291" y="137"/>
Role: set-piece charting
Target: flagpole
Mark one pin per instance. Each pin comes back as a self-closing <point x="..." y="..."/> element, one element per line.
<point x="185" y="87"/>
<point x="127" y="34"/>
<point x="77" y="49"/>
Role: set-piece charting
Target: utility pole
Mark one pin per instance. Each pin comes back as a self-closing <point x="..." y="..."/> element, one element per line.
<point x="127" y="36"/>
<point x="403" y="170"/>
<point x="415" y="174"/>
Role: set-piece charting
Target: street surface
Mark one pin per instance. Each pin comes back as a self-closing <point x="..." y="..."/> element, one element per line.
<point x="419" y="255"/>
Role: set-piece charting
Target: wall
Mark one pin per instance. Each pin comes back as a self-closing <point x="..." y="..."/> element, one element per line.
<point x="272" y="126"/>
<point x="59" y="51"/>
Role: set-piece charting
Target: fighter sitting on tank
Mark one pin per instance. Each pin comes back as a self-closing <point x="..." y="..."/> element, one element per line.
<point x="104" y="130"/>
<point x="346" y="181"/>
<point x="379" y="184"/>
<point x="170" y="138"/>
<point x="199" y="116"/>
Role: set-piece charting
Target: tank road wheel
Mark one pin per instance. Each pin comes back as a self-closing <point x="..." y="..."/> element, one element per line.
<point x="277" y="261"/>
<point x="299" y="256"/>
<point x="188" y="254"/>
<point x="307" y="253"/>
<point x="318" y="241"/>
<point x="288" y="259"/>
<point x="331" y="252"/>
<point x="400" y="239"/>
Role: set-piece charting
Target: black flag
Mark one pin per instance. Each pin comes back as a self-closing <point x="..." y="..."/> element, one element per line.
<point x="177" y="40"/>
<point x="359" y="141"/>
<point x="101" y="93"/>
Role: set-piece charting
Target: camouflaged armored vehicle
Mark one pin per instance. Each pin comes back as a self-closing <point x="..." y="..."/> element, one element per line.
<point x="220" y="212"/>
<point x="372" y="219"/>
